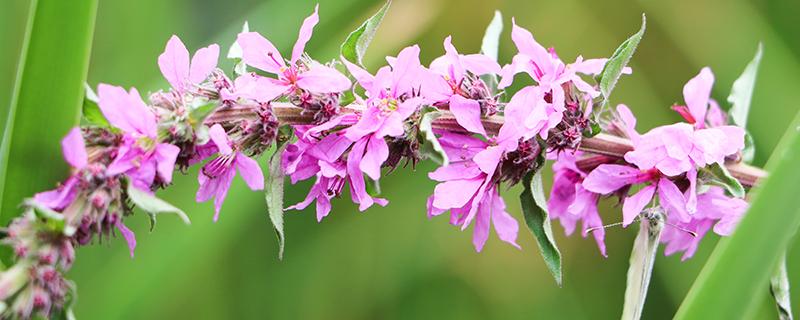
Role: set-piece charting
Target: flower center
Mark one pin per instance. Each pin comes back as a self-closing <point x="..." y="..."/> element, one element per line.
<point x="388" y="105"/>
<point x="218" y="166"/>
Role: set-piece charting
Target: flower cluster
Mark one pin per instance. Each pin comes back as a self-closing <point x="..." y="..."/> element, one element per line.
<point x="345" y="132"/>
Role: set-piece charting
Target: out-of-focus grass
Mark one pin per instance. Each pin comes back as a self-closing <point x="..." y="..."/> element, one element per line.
<point x="393" y="262"/>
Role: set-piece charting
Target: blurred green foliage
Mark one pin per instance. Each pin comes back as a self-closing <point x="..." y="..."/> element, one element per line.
<point x="392" y="263"/>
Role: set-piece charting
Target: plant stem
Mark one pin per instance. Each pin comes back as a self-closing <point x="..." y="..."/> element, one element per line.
<point x="601" y="144"/>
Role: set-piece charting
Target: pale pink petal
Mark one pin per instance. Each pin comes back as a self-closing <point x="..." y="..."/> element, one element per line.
<point x="406" y="71"/>
<point x="220" y="139"/>
<point x="258" y="52"/>
<point x="691" y="202"/>
<point x="527" y="45"/>
<point x="608" y="178"/>
<point x="203" y="62"/>
<point x="363" y="77"/>
<point x="116" y="105"/>
<point x="456" y="171"/>
<point x="74" y="149"/>
<point x="305" y="34"/>
<point x="483" y="217"/>
<point x="634" y="205"/>
<point x="467" y="113"/>
<point x="323" y="79"/>
<point x="130" y="238"/>
<point x="258" y="88"/>
<point x="672" y="199"/>
<point x="696" y="93"/>
<point x="629" y="122"/>
<point x="455" y="193"/>
<point x="174" y="63"/>
<point x="480" y="64"/>
<point x="371" y="120"/>
<point x="225" y="181"/>
<point x="165" y="160"/>
<point x="358" y="189"/>
<point x="454" y="70"/>
<point x="376" y="153"/>
<point x="250" y="172"/>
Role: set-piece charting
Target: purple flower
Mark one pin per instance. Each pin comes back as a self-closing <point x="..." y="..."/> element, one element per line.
<point x="468" y="190"/>
<point x="259" y="52"/>
<point x="325" y="158"/>
<point x="570" y="202"/>
<point x="140" y="156"/>
<point x="216" y="176"/>
<point x="177" y="69"/>
<point x="449" y="83"/>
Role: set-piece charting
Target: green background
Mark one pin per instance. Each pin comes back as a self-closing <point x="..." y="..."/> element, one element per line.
<point x="393" y="263"/>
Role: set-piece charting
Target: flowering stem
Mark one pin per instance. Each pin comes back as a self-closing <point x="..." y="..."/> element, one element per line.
<point x="603" y="144"/>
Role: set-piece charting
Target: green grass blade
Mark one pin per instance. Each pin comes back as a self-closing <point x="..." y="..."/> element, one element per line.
<point x="743" y="263"/>
<point x="47" y="98"/>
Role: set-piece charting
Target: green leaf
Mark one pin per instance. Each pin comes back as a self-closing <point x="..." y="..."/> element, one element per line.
<point x="91" y="111"/>
<point x="274" y="196"/>
<point x="373" y="186"/>
<point x="534" y="209"/>
<point x="153" y="205"/>
<point x="355" y="46"/>
<point x="429" y="145"/>
<point x="749" y="151"/>
<point x="48" y="94"/>
<point x="617" y="62"/>
<point x="54" y="221"/>
<point x="742" y="91"/>
<point x="199" y="113"/>
<point x="779" y="288"/>
<point x="719" y="175"/>
<point x="743" y="263"/>
<point x="490" y="46"/>
<point x="640" y="269"/>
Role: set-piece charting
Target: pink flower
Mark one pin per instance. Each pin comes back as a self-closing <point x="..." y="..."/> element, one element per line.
<point x="467" y="188"/>
<point x="140" y="156"/>
<point x="216" y="176"/>
<point x="570" y="202"/>
<point x="74" y="151"/>
<point x="176" y="68"/>
<point x="259" y="52"/>
<point x="452" y="82"/>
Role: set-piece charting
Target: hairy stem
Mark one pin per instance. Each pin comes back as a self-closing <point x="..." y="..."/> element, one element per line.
<point x="602" y="144"/>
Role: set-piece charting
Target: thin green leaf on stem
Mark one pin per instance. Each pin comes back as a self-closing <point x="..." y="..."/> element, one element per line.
<point x="534" y="209"/>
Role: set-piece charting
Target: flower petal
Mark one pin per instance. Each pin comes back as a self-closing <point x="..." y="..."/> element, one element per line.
<point x="696" y="93"/>
<point x="250" y="172"/>
<point x="672" y="199"/>
<point x="130" y="238"/>
<point x="323" y="79"/>
<point x="74" y="149"/>
<point x="608" y="178"/>
<point x="203" y="62"/>
<point x="258" y="52"/>
<point x="220" y="139"/>
<point x="174" y="63"/>
<point x="467" y="113"/>
<point x="634" y="205"/>
<point x="165" y="160"/>
<point x="376" y="153"/>
<point x="305" y="34"/>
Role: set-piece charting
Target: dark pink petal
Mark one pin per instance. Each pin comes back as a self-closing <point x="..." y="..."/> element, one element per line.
<point x="124" y="160"/>
<point x="433" y="211"/>
<point x="608" y="178"/>
<point x="376" y="153"/>
<point x="634" y="205"/>
<point x="60" y="198"/>
<point x="323" y="207"/>
<point x="460" y="147"/>
<point x="74" y="149"/>
<point x="313" y="194"/>
<point x="467" y="113"/>
<point x="220" y="139"/>
<point x="203" y="62"/>
<point x="222" y="190"/>
<point x="130" y="238"/>
<point x="358" y="189"/>
<point x="250" y="172"/>
<point x="672" y="199"/>
<point x="305" y="34"/>
<point x="488" y="159"/>
<point x="165" y="160"/>
<point x="371" y="120"/>
<point x="455" y="171"/>
<point x="174" y="63"/>
<point x="323" y="79"/>
<point x="208" y="187"/>
<point x="258" y="52"/>
<point x="696" y="93"/>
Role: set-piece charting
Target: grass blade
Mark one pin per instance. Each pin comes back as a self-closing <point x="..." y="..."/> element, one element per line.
<point x="722" y="290"/>
<point x="47" y="99"/>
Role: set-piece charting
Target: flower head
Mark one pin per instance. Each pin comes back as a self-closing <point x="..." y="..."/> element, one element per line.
<point x="182" y="74"/>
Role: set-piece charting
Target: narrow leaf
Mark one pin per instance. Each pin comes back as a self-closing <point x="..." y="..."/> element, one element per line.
<point x="719" y="175"/>
<point x="618" y="61"/>
<point x="640" y="269"/>
<point x="491" y="45"/>
<point x="274" y="196"/>
<point x="355" y="46"/>
<point x="491" y="39"/>
<point x="153" y="205"/>
<point x="91" y="111"/>
<point x="779" y="287"/>
<point x="743" y="263"/>
<point x="534" y="209"/>
<point x="742" y="91"/>
<point x="429" y="144"/>
<point x="47" y="98"/>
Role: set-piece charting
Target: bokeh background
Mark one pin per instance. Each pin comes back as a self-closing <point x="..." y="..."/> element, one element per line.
<point x="393" y="263"/>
